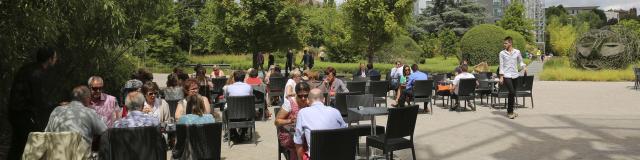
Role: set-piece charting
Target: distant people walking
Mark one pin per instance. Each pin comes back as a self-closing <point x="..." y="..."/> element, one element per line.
<point x="307" y="60"/>
<point x="29" y="107"/>
<point x="289" y="64"/>
<point x="510" y="59"/>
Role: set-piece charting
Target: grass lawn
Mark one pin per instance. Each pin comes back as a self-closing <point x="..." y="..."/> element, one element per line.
<point x="559" y="69"/>
<point x="432" y="65"/>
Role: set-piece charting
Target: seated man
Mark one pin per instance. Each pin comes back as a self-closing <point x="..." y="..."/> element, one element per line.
<point x="372" y="72"/>
<point x="416" y="75"/>
<point x="77" y="117"/>
<point x="135" y="117"/>
<point x="315" y="117"/>
<point x="239" y="88"/>
<point x="464" y="74"/>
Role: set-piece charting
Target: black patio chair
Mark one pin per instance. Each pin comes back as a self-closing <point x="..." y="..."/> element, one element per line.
<point x="240" y="113"/>
<point x="276" y="88"/>
<point x="484" y="89"/>
<point x="379" y="91"/>
<point x="260" y="94"/>
<point x="334" y="144"/>
<point x="466" y="92"/>
<point x="526" y="89"/>
<point x="401" y="124"/>
<point x="357" y="86"/>
<point x="341" y="102"/>
<point x="133" y="144"/>
<point x="355" y="101"/>
<point x="501" y="93"/>
<point x="198" y="141"/>
<point x="422" y="92"/>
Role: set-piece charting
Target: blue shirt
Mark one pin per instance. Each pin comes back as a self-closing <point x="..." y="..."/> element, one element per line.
<point x="316" y="117"/>
<point x="195" y="119"/>
<point x="137" y="119"/>
<point x="417" y="75"/>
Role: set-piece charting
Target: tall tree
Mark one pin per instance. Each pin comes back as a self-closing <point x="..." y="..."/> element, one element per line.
<point x="250" y="26"/>
<point x="514" y="19"/>
<point x="162" y="34"/>
<point x="375" y="22"/>
<point x="458" y="16"/>
<point x="448" y="42"/>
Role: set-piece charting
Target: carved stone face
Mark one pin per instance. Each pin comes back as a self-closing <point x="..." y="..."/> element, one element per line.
<point x="604" y="49"/>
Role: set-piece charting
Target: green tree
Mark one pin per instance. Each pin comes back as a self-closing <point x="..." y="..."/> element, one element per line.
<point x="561" y="37"/>
<point x="448" y="42"/>
<point x="250" y="26"/>
<point x="555" y="11"/>
<point x="592" y="18"/>
<point x="374" y="23"/>
<point x="160" y="36"/>
<point x="446" y="14"/>
<point x="430" y="45"/>
<point x="514" y="19"/>
<point x="632" y="25"/>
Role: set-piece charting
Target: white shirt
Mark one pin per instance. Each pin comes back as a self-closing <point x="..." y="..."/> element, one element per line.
<point x="239" y="89"/>
<point x="463" y="75"/>
<point x="396" y="72"/>
<point x="508" y="62"/>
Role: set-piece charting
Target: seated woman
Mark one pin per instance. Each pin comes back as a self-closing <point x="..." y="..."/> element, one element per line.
<point x="313" y="80"/>
<point x="253" y="78"/>
<point x="191" y="89"/>
<point x="154" y="105"/>
<point x="406" y="71"/>
<point x="195" y="112"/>
<point x="217" y="72"/>
<point x="286" y="117"/>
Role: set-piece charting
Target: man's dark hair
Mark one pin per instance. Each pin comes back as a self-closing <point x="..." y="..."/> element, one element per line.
<point x="44" y="54"/>
<point x="509" y="39"/>
<point x="172" y="80"/>
<point x="277" y="69"/>
<point x="302" y="86"/>
<point x="253" y="73"/>
<point x="143" y="75"/>
<point x="238" y="76"/>
<point x="305" y="51"/>
<point x="414" y="67"/>
<point x="330" y="70"/>
<point x="370" y="66"/>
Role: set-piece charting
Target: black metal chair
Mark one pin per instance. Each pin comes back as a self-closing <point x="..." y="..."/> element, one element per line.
<point x="359" y="79"/>
<point x="276" y="87"/>
<point x="379" y="91"/>
<point x="133" y="143"/>
<point x="259" y="92"/>
<point x="198" y="141"/>
<point x="422" y="92"/>
<point x="354" y="101"/>
<point x="438" y="79"/>
<point x="240" y="113"/>
<point x="484" y="89"/>
<point x="466" y="92"/>
<point x="401" y="124"/>
<point x="501" y="93"/>
<point x="341" y="102"/>
<point x="526" y="89"/>
<point x="357" y="86"/>
<point x="334" y="144"/>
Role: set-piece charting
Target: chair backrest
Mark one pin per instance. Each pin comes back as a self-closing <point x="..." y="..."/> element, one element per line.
<point x="423" y="88"/>
<point x="56" y="145"/>
<point x="240" y="107"/>
<point x="467" y="86"/>
<point x="438" y="77"/>
<point x="401" y="122"/>
<point x="485" y="75"/>
<point x="357" y="86"/>
<point x="379" y="88"/>
<point x="277" y="83"/>
<point x="358" y="78"/>
<point x="341" y="101"/>
<point x="173" y="104"/>
<point x="260" y="93"/>
<point x="365" y="100"/>
<point x="133" y="143"/>
<point x="218" y="83"/>
<point x="199" y="141"/>
<point x="526" y="83"/>
<point x="484" y="84"/>
<point x="334" y="144"/>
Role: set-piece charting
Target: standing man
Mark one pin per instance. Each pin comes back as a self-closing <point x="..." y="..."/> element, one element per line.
<point x="104" y="105"/>
<point x="28" y="107"/>
<point x="510" y="59"/>
<point x="306" y="60"/>
<point x="272" y="60"/>
<point x="260" y="61"/>
<point x="288" y="65"/>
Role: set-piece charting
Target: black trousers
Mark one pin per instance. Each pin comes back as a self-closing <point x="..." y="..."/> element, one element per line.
<point x="22" y="124"/>
<point x="510" y="84"/>
<point x="406" y="93"/>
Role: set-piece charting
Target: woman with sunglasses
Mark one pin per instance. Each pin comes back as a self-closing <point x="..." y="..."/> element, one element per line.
<point x="286" y="117"/>
<point x="153" y="104"/>
<point x="406" y="71"/>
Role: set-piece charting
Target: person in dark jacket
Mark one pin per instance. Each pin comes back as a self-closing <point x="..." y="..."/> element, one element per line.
<point x="29" y="108"/>
<point x="271" y="58"/>
<point x="289" y="64"/>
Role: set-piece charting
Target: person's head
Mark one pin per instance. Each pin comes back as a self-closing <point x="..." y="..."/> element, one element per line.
<point x="306" y="52"/>
<point x="150" y="91"/>
<point x="315" y="95"/>
<point x="200" y="70"/>
<point x="362" y="66"/>
<point x="216" y="67"/>
<point x="272" y="68"/>
<point x="196" y="104"/>
<point x="46" y="57"/>
<point x="238" y="76"/>
<point x="370" y="66"/>
<point x="96" y="84"/>
<point x="313" y="75"/>
<point x="82" y="94"/>
<point x="277" y="69"/>
<point x="172" y="80"/>
<point x="177" y="70"/>
<point x="414" y="67"/>
<point x="330" y="72"/>
<point x="296" y="76"/>
<point x="302" y="92"/>
<point x="464" y="68"/>
<point x="133" y="85"/>
<point x="134" y="101"/>
<point x="406" y="70"/>
<point x="508" y="42"/>
<point x="190" y="87"/>
<point x="143" y="75"/>
<point x="253" y="73"/>
<point x="398" y="64"/>
<point x="464" y="62"/>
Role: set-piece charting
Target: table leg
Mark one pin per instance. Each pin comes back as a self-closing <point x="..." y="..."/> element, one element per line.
<point x="373" y="133"/>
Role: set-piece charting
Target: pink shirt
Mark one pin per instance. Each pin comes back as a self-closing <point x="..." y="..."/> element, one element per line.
<point x="106" y="108"/>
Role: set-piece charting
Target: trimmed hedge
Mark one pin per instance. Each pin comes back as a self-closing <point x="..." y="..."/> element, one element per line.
<point x="483" y="43"/>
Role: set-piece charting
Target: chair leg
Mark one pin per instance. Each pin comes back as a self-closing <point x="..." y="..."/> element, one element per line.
<point x="391" y="155"/>
<point x="367" y="150"/>
<point x="531" y="101"/>
<point x="413" y="152"/>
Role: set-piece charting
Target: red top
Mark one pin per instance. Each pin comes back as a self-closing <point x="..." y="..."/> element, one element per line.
<point x="253" y="81"/>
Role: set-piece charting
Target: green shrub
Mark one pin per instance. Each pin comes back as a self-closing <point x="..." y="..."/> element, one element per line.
<point x="559" y="69"/>
<point x="482" y="44"/>
<point x="402" y="48"/>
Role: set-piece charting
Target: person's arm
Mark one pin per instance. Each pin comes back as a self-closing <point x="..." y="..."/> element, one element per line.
<point x="164" y="111"/>
<point x="207" y="106"/>
<point x="501" y="67"/>
<point x="343" y="87"/>
<point x="281" y="118"/>
<point x="521" y="62"/>
<point x="98" y="124"/>
<point x="289" y="90"/>
<point x="179" y="110"/>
